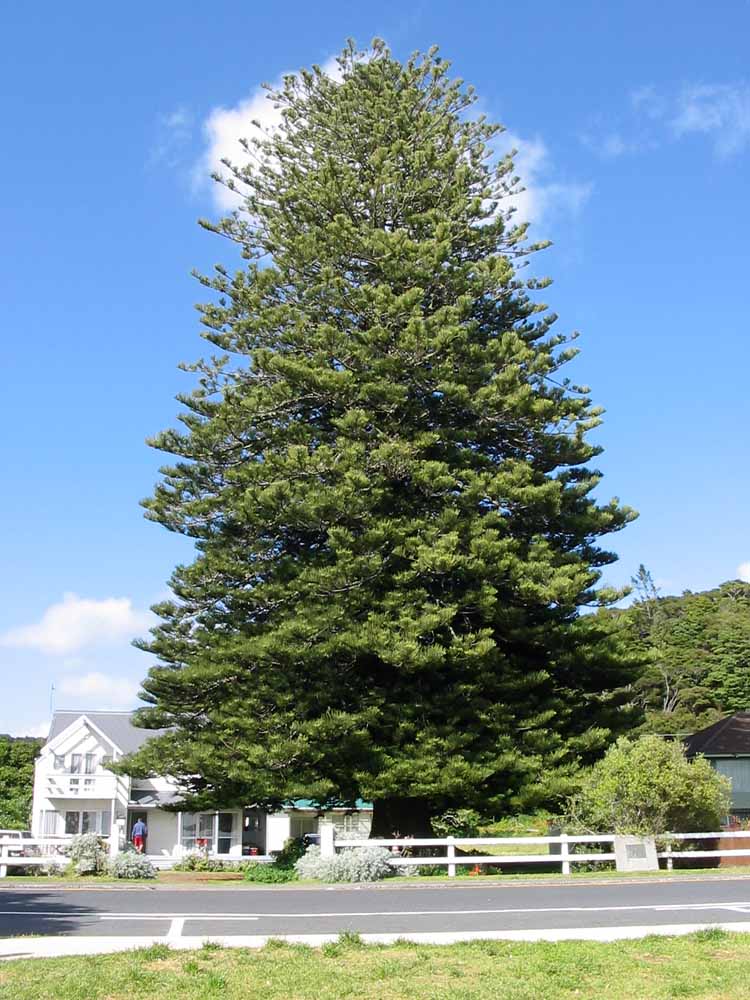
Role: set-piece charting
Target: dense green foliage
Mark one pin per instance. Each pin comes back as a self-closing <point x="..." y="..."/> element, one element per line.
<point x="695" y="651"/>
<point x="386" y="477"/>
<point x="17" y="758"/>
<point x="648" y="786"/>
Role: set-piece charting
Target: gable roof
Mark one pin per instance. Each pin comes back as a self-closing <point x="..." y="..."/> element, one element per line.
<point x="725" y="737"/>
<point x="116" y="726"/>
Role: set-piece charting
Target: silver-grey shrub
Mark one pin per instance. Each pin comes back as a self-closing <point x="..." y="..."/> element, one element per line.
<point x="130" y="865"/>
<point x="354" y="864"/>
<point x="88" y="854"/>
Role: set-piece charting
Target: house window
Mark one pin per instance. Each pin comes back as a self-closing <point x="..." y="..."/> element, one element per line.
<point x="75" y="763"/>
<point x="352" y="825"/>
<point x="49" y="823"/>
<point x="226" y="822"/>
<point x="88" y="821"/>
<point x="106" y="759"/>
<point x="300" y="825"/>
<point x="198" y="831"/>
<point x="90" y="763"/>
<point x="59" y="762"/>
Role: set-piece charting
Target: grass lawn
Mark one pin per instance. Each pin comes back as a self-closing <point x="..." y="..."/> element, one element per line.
<point x="710" y="965"/>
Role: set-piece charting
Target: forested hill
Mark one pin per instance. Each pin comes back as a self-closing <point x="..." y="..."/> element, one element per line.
<point x="695" y="650"/>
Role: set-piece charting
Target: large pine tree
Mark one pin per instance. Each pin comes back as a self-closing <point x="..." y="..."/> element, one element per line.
<point x="386" y="479"/>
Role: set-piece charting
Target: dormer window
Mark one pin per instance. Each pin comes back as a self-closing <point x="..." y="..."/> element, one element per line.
<point x="59" y="762"/>
<point x="90" y="763"/>
<point x="75" y="763"/>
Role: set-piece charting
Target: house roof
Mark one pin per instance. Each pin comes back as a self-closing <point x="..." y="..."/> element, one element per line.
<point x="152" y="797"/>
<point x="724" y="738"/>
<point x="116" y="726"/>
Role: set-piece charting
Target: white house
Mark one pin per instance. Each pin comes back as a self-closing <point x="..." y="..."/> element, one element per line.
<point x="75" y="793"/>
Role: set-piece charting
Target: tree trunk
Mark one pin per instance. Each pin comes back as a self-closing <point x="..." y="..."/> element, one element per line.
<point x="401" y="817"/>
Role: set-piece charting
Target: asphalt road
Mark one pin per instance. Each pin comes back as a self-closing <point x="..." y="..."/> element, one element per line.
<point x="173" y="913"/>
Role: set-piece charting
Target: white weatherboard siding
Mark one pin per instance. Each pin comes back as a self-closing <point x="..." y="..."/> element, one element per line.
<point x="277" y="831"/>
<point x="162" y="832"/>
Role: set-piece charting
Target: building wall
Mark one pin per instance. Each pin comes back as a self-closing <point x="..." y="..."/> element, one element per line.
<point x="58" y="789"/>
<point x="352" y="825"/>
<point x="162" y="832"/>
<point x="737" y="769"/>
<point x="277" y="831"/>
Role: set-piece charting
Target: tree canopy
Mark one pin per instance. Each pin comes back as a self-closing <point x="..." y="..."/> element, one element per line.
<point x="648" y="786"/>
<point x="17" y="756"/>
<point x="386" y="475"/>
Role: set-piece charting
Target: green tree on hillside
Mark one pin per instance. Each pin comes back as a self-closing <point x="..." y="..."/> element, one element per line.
<point x="17" y="758"/>
<point x="695" y="651"/>
<point x="386" y="476"/>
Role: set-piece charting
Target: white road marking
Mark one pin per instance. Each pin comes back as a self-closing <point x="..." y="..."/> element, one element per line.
<point x="175" y="930"/>
<point x="739" y="906"/>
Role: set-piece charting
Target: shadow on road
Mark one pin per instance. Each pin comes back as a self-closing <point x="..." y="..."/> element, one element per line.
<point x="39" y="911"/>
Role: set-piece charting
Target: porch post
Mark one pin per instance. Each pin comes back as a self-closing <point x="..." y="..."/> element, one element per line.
<point x="178" y="848"/>
<point x="327" y="839"/>
<point x="114" y="831"/>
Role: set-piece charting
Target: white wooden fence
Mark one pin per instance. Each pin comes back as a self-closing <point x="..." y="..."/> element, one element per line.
<point x="558" y="849"/>
<point x="44" y="851"/>
<point x="32" y="852"/>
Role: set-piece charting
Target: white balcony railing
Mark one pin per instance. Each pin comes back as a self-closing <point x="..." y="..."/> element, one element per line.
<point x="81" y="786"/>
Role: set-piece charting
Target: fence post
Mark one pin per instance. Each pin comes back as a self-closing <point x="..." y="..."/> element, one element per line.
<point x="3" y="854"/>
<point x="564" y="854"/>
<point x="451" y="852"/>
<point x="670" y="862"/>
<point x="327" y="839"/>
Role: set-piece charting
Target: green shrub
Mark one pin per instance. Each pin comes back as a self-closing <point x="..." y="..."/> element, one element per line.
<point x="648" y="786"/>
<point x="131" y="865"/>
<point x="268" y="872"/>
<point x="290" y="853"/>
<point x="196" y="861"/>
<point x="457" y="823"/>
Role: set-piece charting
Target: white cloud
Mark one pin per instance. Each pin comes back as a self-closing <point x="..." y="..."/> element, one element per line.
<point x="77" y="622"/>
<point x="743" y="571"/>
<point x="105" y="691"/>
<point x="543" y="196"/>
<point x="719" y="110"/>
<point x="225" y="127"/>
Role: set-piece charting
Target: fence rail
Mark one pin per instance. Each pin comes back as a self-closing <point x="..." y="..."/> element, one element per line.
<point x="559" y="849"/>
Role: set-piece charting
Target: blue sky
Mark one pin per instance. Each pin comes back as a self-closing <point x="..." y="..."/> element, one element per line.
<point x="633" y="125"/>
